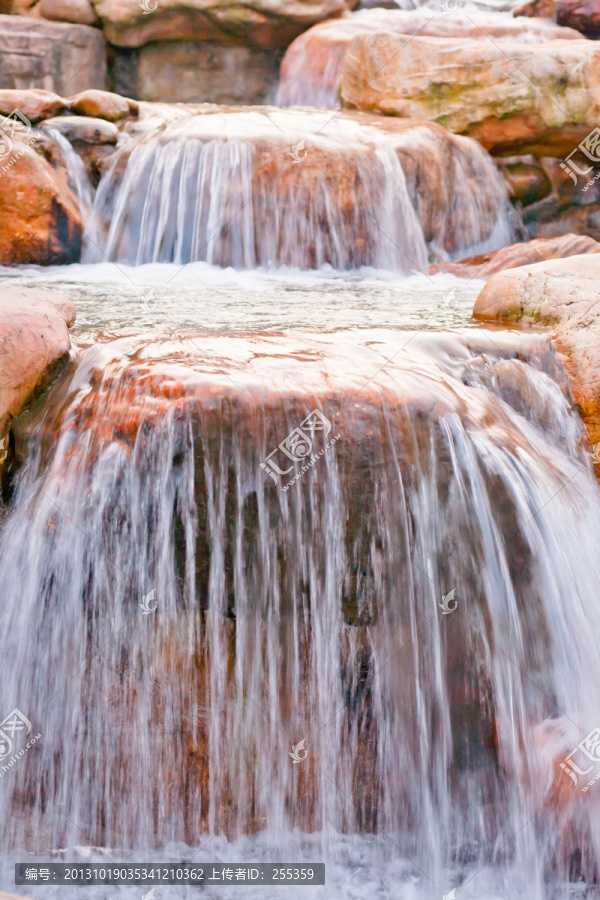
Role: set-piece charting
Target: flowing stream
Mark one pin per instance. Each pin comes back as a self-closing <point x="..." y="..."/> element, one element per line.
<point x="286" y="495"/>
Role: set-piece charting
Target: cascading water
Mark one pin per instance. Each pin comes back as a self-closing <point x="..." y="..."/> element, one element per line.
<point x="297" y="188"/>
<point x="307" y="611"/>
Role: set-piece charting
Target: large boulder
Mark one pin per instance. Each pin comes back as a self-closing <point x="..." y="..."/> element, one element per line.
<point x="34" y="347"/>
<point x="262" y="24"/>
<point x="513" y="98"/>
<point x="487" y="264"/>
<point x="40" y="220"/>
<point x="55" y="57"/>
<point x="563" y="294"/>
<point x="312" y="66"/>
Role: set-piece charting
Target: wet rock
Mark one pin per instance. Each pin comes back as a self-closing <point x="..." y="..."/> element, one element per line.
<point x="500" y="95"/>
<point x="563" y="294"/>
<point x="78" y="12"/>
<point x="584" y="15"/>
<point x="551" y="218"/>
<point x="261" y="24"/>
<point x="35" y="105"/>
<point x="312" y="66"/>
<point x="102" y="105"/>
<point x="40" y="221"/>
<point x="485" y="265"/>
<point x="194" y="72"/>
<point x="526" y="179"/>
<point x="85" y="129"/>
<point x="538" y="8"/>
<point x="34" y="347"/>
<point x="35" y="53"/>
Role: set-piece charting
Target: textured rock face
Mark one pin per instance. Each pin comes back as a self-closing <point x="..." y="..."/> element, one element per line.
<point x="312" y="66"/>
<point x="487" y="264"/>
<point x="584" y="15"/>
<point x="256" y="23"/>
<point x="190" y="72"/>
<point x="504" y="96"/>
<point x="40" y="220"/>
<point x="101" y="105"/>
<point x="34" y="346"/>
<point x="565" y="294"/>
<point x="80" y="12"/>
<point x="51" y="56"/>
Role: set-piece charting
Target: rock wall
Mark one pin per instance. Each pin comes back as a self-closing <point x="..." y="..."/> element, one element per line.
<point x="56" y="57"/>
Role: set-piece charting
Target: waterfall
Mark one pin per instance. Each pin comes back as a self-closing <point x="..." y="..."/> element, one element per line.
<point x="312" y="613"/>
<point x="296" y="188"/>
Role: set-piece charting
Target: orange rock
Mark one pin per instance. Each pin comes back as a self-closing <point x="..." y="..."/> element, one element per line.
<point x="487" y="264"/>
<point x="101" y="105"/>
<point x="34" y="104"/>
<point x="40" y="222"/>
<point x="312" y="66"/>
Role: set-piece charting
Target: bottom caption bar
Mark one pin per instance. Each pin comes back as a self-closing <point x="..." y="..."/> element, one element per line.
<point x="170" y="873"/>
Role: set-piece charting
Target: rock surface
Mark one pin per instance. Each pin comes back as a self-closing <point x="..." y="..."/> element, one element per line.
<point x="50" y="55"/>
<point x="86" y="129"/>
<point x="34" y="346"/>
<point x="101" y="105"/>
<point x="584" y="15"/>
<point x="40" y="221"/>
<point x="35" y="105"/>
<point x="312" y="66"/>
<point x="78" y="12"/>
<point x="487" y="264"/>
<point x="262" y="24"/>
<point x="502" y="95"/>
<point x="564" y="294"/>
<point x="194" y="72"/>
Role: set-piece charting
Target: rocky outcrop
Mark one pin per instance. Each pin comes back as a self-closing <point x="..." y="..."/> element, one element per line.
<point x="312" y="66"/>
<point x="502" y="95"/>
<point x="191" y="72"/>
<point x="563" y="294"/>
<point x="55" y="57"/>
<point x="487" y="264"/>
<point x="80" y="12"/>
<point x="584" y="15"/>
<point x="261" y="24"/>
<point x="34" y="347"/>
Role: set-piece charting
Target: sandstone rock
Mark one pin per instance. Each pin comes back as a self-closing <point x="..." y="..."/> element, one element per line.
<point x="78" y="12"/>
<point x="487" y="264"/>
<point x="101" y="105"/>
<point x="262" y="24"/>
<point x="502" y="95"/>
<point x="34" y="347"/>
<point x="581" y="194"/>
<point x="50" y="55"/>
<point x="40" y="222"/>
<point x="526" y="179"/>
<point x="312" y="66"/>
<point x="551" y="218"/>
<point x="86" y="129"/>
<point x="584" y="15"/>
<point x="542" y="8"/>
<point x="190" y="72"/>
<point x="33" y="104"/>
<point x="564" y="294"/>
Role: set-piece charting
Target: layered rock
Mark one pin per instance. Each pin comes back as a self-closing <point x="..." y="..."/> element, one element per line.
<point x="55" y="57"/>
<point x="504" y="96"/>
<point x="34" y="347"/>
<point x="563" y="294"/>
<point x="256" y="23"/>
<point x="312" y="66"/>
<point x="584" y="15"/>
<point x="487" y="264"/>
